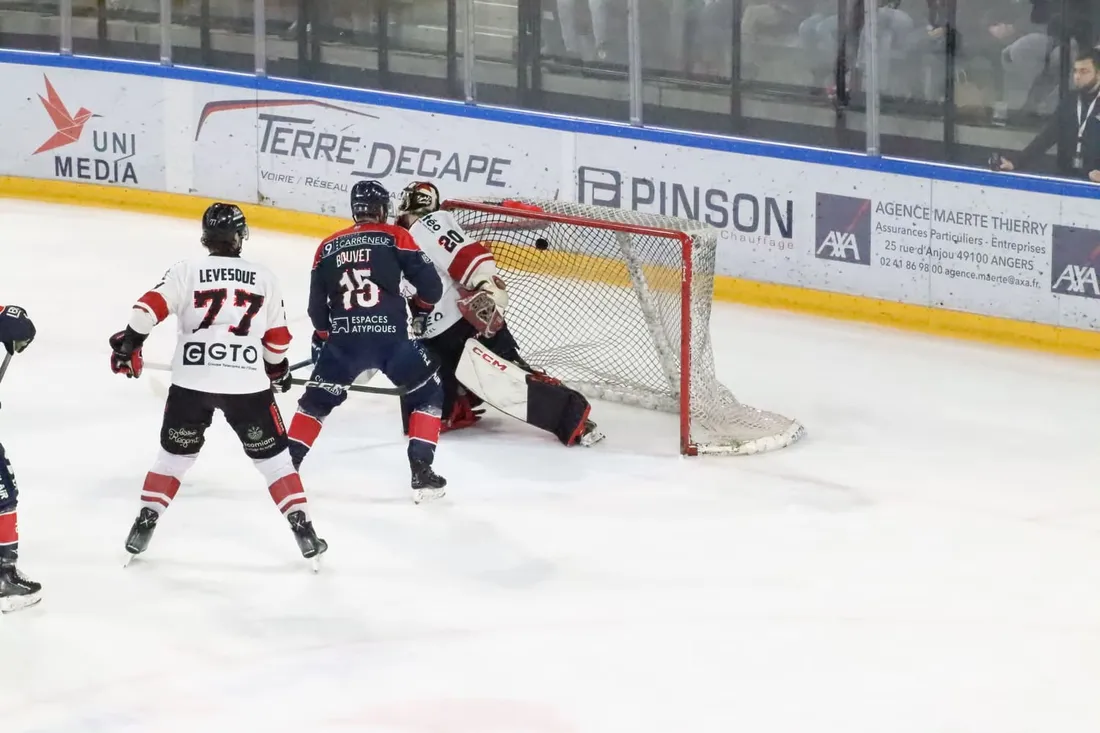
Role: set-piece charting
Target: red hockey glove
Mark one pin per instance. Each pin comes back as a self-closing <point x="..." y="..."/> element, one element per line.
<point x="279" y="374"/>
<point x="463" y="414"/>
<point x="126" y="355"/>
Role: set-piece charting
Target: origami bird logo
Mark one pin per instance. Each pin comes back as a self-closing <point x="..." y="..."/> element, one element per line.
<point x="69" y="127"/>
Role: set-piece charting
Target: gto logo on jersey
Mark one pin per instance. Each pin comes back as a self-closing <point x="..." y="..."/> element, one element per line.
<point x="843" y="226"/>
<point x="1075" y="255"/>
<point x="199" y="353"/>
<point x="112" y="150"/>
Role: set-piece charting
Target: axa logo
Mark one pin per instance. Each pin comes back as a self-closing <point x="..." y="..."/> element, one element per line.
<point x="843" y="227"/>
<point x="1077" y="280"/>
<point x="1075" y="255"/>
<point x="69" y="126"/>
<point x="839" y="246"/>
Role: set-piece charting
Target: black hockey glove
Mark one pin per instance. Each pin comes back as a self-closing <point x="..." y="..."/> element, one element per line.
<point x="316" y="344"/>
<point x="279" y="374"/>
<point x="420" y="314"/>
<point x="16" y="329"/>
<point x="126" y="355"/>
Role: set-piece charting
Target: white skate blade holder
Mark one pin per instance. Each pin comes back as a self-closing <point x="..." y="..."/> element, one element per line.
<point x="421" y="496"/>
<point x="11" y="604"/>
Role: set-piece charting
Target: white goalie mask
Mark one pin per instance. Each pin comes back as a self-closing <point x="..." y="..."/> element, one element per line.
<point x="419" y="199"/>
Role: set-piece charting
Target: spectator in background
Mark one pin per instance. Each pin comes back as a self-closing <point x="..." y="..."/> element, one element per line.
<point x="578" y="44"/>
<point x="1074" y="127"/>
<point x="820" y="35"/>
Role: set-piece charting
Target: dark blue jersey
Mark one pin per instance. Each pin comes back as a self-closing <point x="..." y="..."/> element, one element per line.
<point x="356" y="281"/>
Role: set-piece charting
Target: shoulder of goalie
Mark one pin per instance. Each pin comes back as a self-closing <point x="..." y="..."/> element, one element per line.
<point x="537" y="399"/>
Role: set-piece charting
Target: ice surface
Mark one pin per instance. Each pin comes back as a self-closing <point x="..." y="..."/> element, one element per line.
<point x="927" y="560"/>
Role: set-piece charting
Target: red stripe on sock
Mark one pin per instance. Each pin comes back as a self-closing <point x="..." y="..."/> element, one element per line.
<point x="295" y="503"/>
<point x="9" y="529"/>
<point x="158" y="483"/>
<point x="288" y="493"/>
<point x="304" y="428"/>
<point x="423" y="426"/>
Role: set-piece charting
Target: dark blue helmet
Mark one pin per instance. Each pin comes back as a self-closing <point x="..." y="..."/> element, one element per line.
<point x="224" y="229"/>
<point x="370" y="200"/>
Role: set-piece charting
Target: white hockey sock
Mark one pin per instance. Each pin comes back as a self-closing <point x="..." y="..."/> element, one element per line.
<point x="284" y="484"/>
<point x="163" y="480"/>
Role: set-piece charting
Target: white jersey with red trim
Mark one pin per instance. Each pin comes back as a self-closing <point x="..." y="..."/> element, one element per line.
<point x="231" y="319"/>
<point x="458" y="257"/>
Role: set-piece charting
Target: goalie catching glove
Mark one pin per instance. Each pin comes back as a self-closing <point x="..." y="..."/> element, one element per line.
<point x="484" y="306"/>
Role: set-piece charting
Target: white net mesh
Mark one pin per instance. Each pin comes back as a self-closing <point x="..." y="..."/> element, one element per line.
<point x="595" y="300"/>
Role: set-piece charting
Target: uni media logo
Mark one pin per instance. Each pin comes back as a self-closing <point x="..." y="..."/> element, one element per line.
<point x="843" y="229"/>
<point x="69" y="127"/>
<point x="111" y="156"/>
<point x="1074" y="255"/>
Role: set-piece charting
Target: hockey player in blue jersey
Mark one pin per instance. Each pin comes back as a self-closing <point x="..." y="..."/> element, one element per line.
<point x="361" y="323"/>
<point x="16" y="591"/>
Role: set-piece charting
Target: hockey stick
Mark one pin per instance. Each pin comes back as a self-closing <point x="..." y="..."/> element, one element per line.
<point x="4" y="366"/>
<point x="329" y="386"/>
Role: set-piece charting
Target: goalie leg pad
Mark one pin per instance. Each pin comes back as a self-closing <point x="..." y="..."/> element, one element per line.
<point x="536" y="399"/>
<point x="556" y="408"/>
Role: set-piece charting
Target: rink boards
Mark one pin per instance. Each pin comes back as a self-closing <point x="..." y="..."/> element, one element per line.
<point x="1010" y="259"/>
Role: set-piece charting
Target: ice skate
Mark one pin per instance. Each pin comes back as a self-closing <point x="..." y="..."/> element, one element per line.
<point x="309" y="543"/>
<point x="590" y="435"/>
<point x="16" y="591"/>
<point x="427" y="485"/>
<point x="141" y="533"/>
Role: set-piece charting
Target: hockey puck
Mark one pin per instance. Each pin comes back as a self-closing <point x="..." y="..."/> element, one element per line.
<point x="541" y="243"/>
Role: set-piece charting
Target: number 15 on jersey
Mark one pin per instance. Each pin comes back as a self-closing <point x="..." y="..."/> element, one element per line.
<point x="358" y="290"/>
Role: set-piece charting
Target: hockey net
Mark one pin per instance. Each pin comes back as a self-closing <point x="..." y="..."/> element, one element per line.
<point x="617" y="305"/>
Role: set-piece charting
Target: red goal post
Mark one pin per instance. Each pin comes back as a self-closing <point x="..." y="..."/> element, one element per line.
<point x="617" y="305"/>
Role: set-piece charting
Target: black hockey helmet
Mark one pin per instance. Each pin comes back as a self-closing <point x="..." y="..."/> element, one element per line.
<point x="419" y="198"/>
<point x="370" y="200"/>
<point x="224" y="229"/>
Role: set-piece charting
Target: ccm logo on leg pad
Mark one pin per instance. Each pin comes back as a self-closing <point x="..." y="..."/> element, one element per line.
<point x="489" y="359"/>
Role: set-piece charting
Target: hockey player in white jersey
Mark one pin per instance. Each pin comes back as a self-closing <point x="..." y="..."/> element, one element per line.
<point x="466" y="332"/>
<point x="230" y="356"/>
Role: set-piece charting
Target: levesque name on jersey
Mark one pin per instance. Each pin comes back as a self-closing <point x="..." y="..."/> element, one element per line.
<point x="230" y="320"/>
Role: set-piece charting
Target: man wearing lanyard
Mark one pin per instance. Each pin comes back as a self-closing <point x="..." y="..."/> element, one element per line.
<point x="1076" y="124"/>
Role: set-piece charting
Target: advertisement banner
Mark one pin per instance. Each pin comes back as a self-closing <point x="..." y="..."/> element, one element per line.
<point x="999" y="252"/>
<point x="305" y="154"/>
<point x="1024" y="256"/>
<point x="83" y="126"/>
